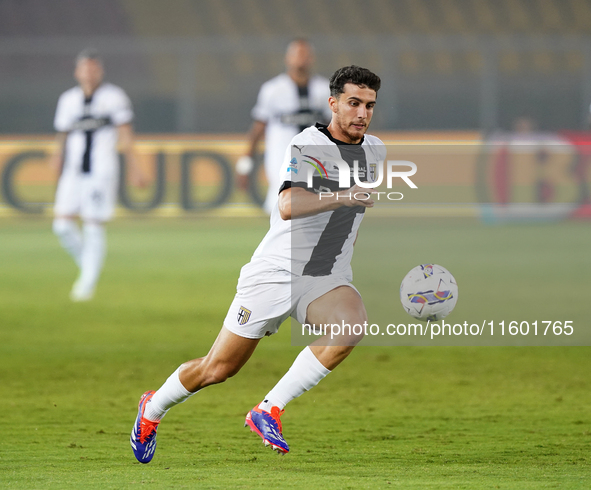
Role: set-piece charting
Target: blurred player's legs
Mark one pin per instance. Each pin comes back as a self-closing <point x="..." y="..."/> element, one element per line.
<point x="93" y="199"/>
<point x="88" y="251"/>
<point x="93" y="257"/>
<point x="68" y="233"/>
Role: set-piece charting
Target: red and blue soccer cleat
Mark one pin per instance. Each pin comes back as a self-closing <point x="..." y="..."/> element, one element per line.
<point x="143" y="435"/>
<point x="268" y="426"/>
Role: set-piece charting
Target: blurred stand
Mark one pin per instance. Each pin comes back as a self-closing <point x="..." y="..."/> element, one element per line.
<point x="207" y="84"/>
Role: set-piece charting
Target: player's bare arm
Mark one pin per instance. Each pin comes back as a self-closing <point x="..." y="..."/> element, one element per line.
<point x="245" y="164"/>
<point x="56" y="159"/>
<point x="127" y="144"/>
<point x="296" y="202"/>
<point x="255" y="135"/>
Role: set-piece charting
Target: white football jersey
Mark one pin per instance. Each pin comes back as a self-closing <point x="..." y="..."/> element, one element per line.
<point x="321" y="244"/>
<point x="287" y="110"/>
<point x="91" y="124"/>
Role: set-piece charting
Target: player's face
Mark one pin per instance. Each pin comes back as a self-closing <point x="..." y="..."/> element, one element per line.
<point x="352" y="112"/>
<point x="299" y="57"/>
<point x="89" y="73"/>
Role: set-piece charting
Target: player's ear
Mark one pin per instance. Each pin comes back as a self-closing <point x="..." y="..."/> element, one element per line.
<point x="333" y="103"/>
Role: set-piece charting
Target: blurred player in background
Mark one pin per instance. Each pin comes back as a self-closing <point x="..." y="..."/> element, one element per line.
<point x="286" y="105"/>
<point x="91" y="120"/>
<point x="312" y="284"/>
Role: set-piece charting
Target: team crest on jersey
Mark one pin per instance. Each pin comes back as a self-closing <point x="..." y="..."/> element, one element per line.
<point x="243" y="315"/>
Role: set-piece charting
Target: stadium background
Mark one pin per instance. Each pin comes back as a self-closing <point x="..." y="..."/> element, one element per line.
<point x="194" y="68"/>
<point x="457" y="74"/>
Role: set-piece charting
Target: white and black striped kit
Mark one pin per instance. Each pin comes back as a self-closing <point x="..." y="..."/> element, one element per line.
<point x="88" y="183"/>
<point x="322" y="244"/>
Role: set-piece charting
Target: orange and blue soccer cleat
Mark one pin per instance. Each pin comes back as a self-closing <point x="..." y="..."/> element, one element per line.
<point x="268" y="426"/>
<point x="143" y="435"/>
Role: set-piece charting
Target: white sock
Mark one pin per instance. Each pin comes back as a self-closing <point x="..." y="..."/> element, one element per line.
<point x="305" y="373"/>
<point x="93" y="254"/>
<point x="171" y="393"/>
<point x="69" y="236"/>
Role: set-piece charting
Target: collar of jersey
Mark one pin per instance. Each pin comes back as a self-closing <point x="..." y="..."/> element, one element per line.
<point x="323" y="128"/>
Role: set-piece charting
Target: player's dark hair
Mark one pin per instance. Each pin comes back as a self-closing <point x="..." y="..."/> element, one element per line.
<point x="353" y="74"/>
<point x="88" y="54"/>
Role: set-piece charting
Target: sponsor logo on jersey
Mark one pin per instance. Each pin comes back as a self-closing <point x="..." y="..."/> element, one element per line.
<point x="243" y="315"/>
<point x="89" y="123"/>
<point x="372" y="171"/>
<point x="293" y="166"/>
<point x="317" y="164"/>
<point x="302" y="118"/>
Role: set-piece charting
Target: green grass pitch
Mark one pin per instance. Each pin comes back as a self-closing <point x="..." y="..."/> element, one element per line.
<point x="388" y="417"/>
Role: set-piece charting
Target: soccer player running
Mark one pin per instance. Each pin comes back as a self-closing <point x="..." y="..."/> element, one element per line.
<point x="286" y="105"/>
<point x="302" y="268"/>
<point x="91" y="119"/>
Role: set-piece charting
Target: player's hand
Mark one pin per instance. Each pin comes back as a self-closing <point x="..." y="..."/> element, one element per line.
<point x="357" y="196"/>
<point x="244" y="166"/>
<point x="138" y="178"/>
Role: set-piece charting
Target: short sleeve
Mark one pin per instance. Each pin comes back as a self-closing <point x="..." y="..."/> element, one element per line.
<point x="62" y="121"/>
<point x="299" y="166"/>
<point x="262" y="111"/>
<point x="122" y="111"/>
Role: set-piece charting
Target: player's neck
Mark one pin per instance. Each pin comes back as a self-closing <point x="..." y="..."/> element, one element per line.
<point x="301" y="79"/>
<point x="338" y="134"/>
<point x="88" y="90"/>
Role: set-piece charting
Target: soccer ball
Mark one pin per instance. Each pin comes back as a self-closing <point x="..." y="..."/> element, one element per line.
<point x="429" y="292"/>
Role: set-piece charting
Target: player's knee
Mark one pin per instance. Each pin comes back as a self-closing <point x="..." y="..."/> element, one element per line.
<point x="358" y="334"/>
<point x="62" y="226"/>
<point x="93" y="229"/>
<point x="348" y="331"/>
<point x="350" y="340"/>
